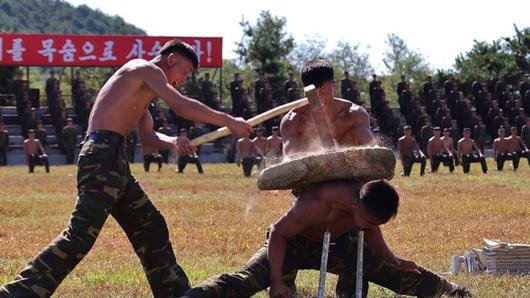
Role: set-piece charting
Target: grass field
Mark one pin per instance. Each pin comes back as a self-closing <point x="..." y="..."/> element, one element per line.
<point x="218" y="220"/>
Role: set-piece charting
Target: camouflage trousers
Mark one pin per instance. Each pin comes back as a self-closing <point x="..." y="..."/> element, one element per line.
<point x="302" y="253"/>
<point x="105" y="186"/>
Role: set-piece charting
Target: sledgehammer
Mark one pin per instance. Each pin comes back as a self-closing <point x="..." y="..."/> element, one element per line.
<point x="277" y="111"/>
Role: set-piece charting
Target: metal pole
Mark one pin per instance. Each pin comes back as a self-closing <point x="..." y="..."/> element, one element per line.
<point x="323" y="265"/>
<point x="359" y="274"/>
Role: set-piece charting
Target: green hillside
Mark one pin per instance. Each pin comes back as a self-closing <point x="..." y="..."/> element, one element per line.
<point x="55" y="16"/>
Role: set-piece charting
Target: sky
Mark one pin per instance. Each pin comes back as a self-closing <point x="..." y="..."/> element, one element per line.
<point x="439" y="30"/>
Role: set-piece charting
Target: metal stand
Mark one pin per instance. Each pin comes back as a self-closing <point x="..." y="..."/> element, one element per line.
<point x="359" y="274"/>
<point x="323" y="265"/>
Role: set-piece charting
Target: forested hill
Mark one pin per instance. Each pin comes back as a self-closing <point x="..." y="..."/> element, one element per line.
<point x="56" y="16"/>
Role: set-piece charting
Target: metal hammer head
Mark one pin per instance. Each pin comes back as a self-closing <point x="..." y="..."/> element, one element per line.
<point x="310" y="91"/>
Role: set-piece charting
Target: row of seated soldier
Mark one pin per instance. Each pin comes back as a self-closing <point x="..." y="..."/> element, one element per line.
<point x="440" y="150"/>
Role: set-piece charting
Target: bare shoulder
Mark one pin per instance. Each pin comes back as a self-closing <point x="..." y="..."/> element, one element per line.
<point x="292" y="121"/>
<point x="356" y="112"/>
<point x="143" y="68"/>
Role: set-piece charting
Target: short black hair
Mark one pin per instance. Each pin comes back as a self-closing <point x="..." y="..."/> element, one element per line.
<point x="316" y="72"/>
<point x="380" y="199"/>
<point x="182" y="48"/>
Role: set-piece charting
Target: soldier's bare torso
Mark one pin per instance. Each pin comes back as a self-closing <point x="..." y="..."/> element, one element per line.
<point x="437" y="145"/>
<point x="501" y="145"/>
<point x="407" y="145"/>
<point x="245" y="148"/>
<point x="466" y="146"/>
<point x="345" y="116"/>
<point x="123" y="99"/>
<point x="31" y="146"/>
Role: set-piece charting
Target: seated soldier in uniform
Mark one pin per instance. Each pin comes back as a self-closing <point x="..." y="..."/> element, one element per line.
<point x="246" y="153"/>
<point x="183" y="160"/>
<point x="502" y="151"/>
<point x="518" y="146"/>
<point x="409" y="152"/>
<point x="151" y="155"/>
<point x="438" y="152"/>
<point x="465" y="148"/>
<point x="295" y="241"/>
<point x="34" y="152"/>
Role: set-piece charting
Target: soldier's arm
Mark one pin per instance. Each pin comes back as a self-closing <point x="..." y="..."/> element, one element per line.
<point x="459" y="149"/>
<point x="429" y="149"/>
<point x="41" y="147"/>
<point x="307" y="211"/>
<point x="476" y="148"/>
<point x="26" y="150"/>
<point x="495" y="149"/>
<point x="400" y="149"/>
<point x="150" y="137"/>
<point x="187" y="107"/>
<point x="374" y="237"/>
<point x="361" y="126"/>
<point x="291" y="140"/>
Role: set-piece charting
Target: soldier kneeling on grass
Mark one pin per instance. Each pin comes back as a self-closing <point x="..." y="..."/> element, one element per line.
<point x="34" y="152"/>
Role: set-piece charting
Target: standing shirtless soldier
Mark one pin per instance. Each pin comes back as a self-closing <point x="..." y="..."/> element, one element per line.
<point x="105" y="183"/>
<point x="438" y="152"/>
<point x="502" y="152"/>
<point x="465" y="148"/>
<point x="409" y="152"/>
<point x="295" y="241"/>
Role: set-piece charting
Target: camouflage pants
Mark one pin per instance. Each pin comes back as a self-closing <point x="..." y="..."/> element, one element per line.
<point x="305" y="254"/>
<point x="105" y="186"/>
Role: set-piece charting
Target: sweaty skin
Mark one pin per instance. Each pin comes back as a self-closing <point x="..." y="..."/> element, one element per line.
<point x="260" y="144"/>
<point x="274" y="146"/>
<point x="32" y="146"/>
<point x="349" y="124"/>
<point x="516" y="143"/>
<point x="500" y="145"/>
<point x="245" y="149"/>
<point x="122" y="102"/>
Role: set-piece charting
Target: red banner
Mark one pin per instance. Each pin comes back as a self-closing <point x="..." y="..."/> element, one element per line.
<point x="96" y="50"/>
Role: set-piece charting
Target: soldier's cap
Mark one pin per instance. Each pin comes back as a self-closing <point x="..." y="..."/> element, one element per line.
<point x="258" y="129"/>
<point x="375" y="129"/>
<point x="69" y="119"/>
<point x="183" y="130"/>
<point x="446" y="129"/>
<point x="275" y="128"/>
<point x="31" y="131"/>
<point x="466" y="129"/>
<point x="526" y="75"/>
<point x="406" y="127"/>
<point x="436" y="128"/>
<point x="513" y="128"/>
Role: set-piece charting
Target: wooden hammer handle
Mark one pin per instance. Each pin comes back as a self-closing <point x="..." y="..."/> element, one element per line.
<point x="224" y="131"/>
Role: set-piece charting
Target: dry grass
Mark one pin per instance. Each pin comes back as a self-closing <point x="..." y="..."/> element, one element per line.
<point x="218" y="220"/>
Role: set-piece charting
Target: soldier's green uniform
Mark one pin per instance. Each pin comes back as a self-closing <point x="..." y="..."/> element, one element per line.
<point x="302" y="253"/>
<point x="69" y="135"/>
<point x="105" y="186"/>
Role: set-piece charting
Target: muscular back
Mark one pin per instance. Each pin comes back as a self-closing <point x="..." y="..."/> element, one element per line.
<point x="123" y="99"/>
